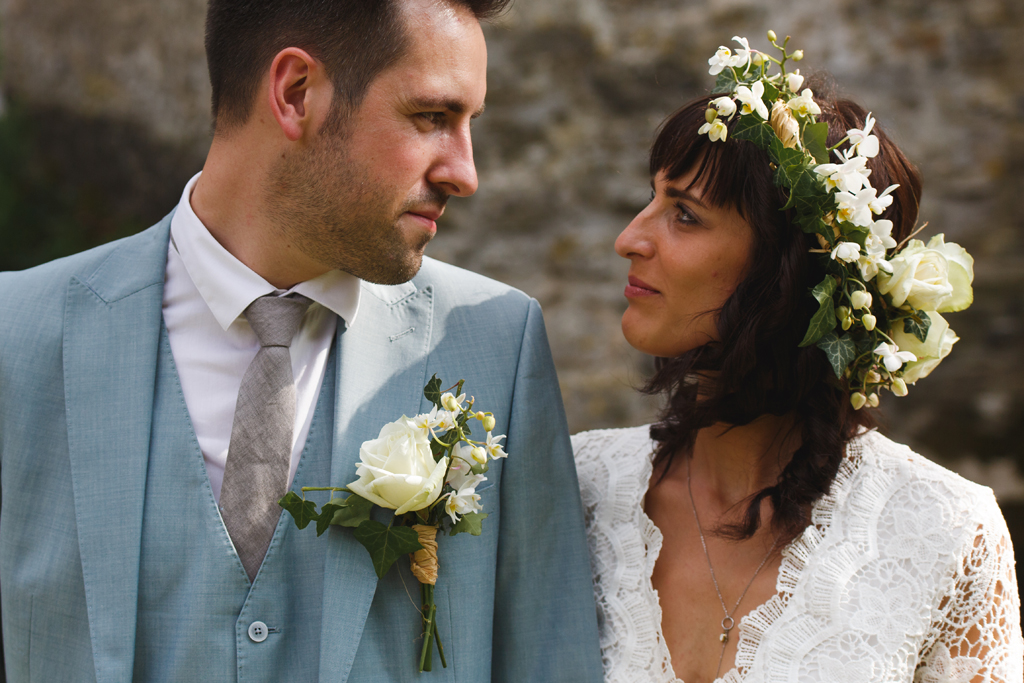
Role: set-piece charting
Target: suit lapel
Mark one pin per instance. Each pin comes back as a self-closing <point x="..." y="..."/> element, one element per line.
<point x="382" y="368"/>
<point x="111" y="337"/>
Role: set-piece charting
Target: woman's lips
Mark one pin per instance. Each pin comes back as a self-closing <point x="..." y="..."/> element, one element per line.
<point x="638" y="288"/>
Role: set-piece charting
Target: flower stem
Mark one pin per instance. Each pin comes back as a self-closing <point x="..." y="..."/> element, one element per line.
<point x="429" y="609"/>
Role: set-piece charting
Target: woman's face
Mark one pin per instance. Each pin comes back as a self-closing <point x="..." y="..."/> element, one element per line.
<point x="687" y="256"/>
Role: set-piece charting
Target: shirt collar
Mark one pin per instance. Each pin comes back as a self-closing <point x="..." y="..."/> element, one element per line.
<point x="228" y="286"/>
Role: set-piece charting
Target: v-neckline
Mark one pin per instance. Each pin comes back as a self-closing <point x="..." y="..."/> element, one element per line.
<point x="788" y="577"/>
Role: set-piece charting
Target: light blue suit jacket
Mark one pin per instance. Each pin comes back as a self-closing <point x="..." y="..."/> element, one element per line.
<point x="78" y="351"/>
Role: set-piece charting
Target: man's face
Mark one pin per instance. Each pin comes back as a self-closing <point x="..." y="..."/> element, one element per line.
<point x="365" y="198"/>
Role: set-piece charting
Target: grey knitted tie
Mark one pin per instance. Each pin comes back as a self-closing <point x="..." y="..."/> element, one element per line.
<point x="256" y="473"/>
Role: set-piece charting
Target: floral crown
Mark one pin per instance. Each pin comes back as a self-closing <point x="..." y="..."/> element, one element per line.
<point x="879" y="304"/>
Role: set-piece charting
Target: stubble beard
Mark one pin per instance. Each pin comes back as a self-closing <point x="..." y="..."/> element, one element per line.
<point x="335" y="214"/>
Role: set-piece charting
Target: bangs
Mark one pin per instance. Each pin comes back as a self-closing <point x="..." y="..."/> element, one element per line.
<point x="731" y="173"/>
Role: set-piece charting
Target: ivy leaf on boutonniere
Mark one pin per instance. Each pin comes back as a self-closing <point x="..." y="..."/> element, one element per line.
<point x="386" y="543"/>
<point x="303" y="511"/>
<point x="433" y="391"/>
<point x="471" y="523"/>
<point x="351" y="511"/>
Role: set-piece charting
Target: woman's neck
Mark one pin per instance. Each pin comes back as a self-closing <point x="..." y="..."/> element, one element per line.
<point x="731" y="463"/>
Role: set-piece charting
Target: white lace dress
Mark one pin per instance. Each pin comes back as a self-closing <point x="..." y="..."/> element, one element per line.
<point x="905" y="574"/>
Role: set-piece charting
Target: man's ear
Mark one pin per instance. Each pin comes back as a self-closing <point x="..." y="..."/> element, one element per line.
<point x="299" y="92"/>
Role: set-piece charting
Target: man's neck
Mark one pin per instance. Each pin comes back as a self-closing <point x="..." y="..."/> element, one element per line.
<point x="230" y="200"/>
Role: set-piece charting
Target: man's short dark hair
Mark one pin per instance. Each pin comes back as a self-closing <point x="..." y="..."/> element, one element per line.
<point x="354" y="39"/>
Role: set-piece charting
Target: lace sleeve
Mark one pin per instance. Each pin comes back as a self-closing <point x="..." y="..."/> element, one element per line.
<point x="977" y="636"/>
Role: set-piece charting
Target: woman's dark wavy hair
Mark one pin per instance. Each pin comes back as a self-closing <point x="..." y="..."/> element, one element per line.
<point x="757" y="367"/>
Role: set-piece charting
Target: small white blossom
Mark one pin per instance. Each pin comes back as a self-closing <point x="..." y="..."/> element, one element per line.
<point x="883" y="201"/>
<point x="883" y="231"/>
<point x="892" y="358"/>
<point x="804" y="104"/>
<point x="869" y="321"/>
<point x="725" y="106"/>
<point x="856" y="207"/>
<point x="794" y="80"/>
<point x="743" y="54"/>
<point x="716" y="131"/>
<point x="861" y="141"/>
<point x="426" y="423"/>
<point x="722" y="59"/>
<point x="751" y="100"/>
<point x="451" y="403"/>
<point x="873" y="258"/>
<point x="849" y="176"/>
<point x="846" y="251"/>
<point x="460" y="474"/>
<point x="493" y="446"/>
<point x="461" y="503"/>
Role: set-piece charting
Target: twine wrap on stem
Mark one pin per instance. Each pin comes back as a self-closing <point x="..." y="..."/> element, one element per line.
<point x="423" y="563"/>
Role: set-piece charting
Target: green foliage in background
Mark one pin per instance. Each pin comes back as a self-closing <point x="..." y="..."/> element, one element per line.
<point x="42" y="215"/>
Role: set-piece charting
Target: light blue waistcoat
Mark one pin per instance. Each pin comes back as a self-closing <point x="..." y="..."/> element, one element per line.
<point x="185" y="634"/>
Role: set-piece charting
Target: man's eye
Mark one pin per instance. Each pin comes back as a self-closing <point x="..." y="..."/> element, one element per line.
<point x="433" y="117"/>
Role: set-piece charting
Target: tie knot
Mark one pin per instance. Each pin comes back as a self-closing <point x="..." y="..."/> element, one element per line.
<point x="276" y="319"/>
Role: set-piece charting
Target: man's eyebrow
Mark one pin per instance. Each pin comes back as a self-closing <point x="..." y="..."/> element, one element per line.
<point x="445" y="104"/>
<point x="673" y="193"/>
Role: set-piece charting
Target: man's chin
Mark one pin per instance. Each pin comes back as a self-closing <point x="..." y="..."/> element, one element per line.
<point x="396" y="270"/>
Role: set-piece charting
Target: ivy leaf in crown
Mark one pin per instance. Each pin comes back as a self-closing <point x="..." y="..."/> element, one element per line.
<point x="879" y="310"/>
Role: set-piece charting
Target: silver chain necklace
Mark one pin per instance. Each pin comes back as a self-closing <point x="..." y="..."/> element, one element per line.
<point x="727" y="622"/>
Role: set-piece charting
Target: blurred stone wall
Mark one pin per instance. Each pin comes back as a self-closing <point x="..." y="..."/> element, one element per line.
<point x="576" y="89"/>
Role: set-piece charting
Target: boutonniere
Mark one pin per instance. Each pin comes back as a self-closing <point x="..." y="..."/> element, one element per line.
<point x="426" y="468"/>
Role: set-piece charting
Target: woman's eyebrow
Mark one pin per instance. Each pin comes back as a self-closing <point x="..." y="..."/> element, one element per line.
<point x="684" y="194"/>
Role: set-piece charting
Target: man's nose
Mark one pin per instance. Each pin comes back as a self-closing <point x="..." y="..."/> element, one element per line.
<point x="455" y="171"/>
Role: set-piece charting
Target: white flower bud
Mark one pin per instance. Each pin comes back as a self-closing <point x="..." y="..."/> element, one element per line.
<point x="899" y="387"/>
<point x="869" y="321"/>
<point x="857" y="400"/>
<point x="710" y="114"/>
<point x="797" y="56"/>
<point x="860" y="299"/>
<point x="479" y="454"/>
<point x="771" y="35"/>
<point x="842" y="313"/>
<point x="872" y="377"/>
<point x="488" y="423"/>
<point x="757" y="59"/>
<point x="873" y="400"/>
<point x="794" y="80"/>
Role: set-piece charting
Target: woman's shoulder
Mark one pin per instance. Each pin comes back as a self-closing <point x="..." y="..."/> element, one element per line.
<point x="613" y="465"/>
<point x="612" y="442"/>
<point x="892" y="476"/>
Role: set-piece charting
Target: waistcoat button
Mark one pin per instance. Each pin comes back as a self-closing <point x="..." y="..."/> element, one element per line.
<point x="257" y="631"/>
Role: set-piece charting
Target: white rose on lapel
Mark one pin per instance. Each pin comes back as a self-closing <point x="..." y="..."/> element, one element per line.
<point x="397" y="470"/>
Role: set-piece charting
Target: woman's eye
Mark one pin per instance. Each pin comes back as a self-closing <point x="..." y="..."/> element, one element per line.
<point x="683" y="215"/>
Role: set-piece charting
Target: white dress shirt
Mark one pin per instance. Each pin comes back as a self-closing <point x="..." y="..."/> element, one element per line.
<point x="206" y="289"/>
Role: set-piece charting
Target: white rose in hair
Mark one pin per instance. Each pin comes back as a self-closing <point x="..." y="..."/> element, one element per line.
<point x="397" y="470"/>
<point x="929" y="352"/>
<point x="932" y="277"/>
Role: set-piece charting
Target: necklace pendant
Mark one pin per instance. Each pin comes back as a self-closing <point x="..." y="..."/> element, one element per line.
<point x="724" y="637"/>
